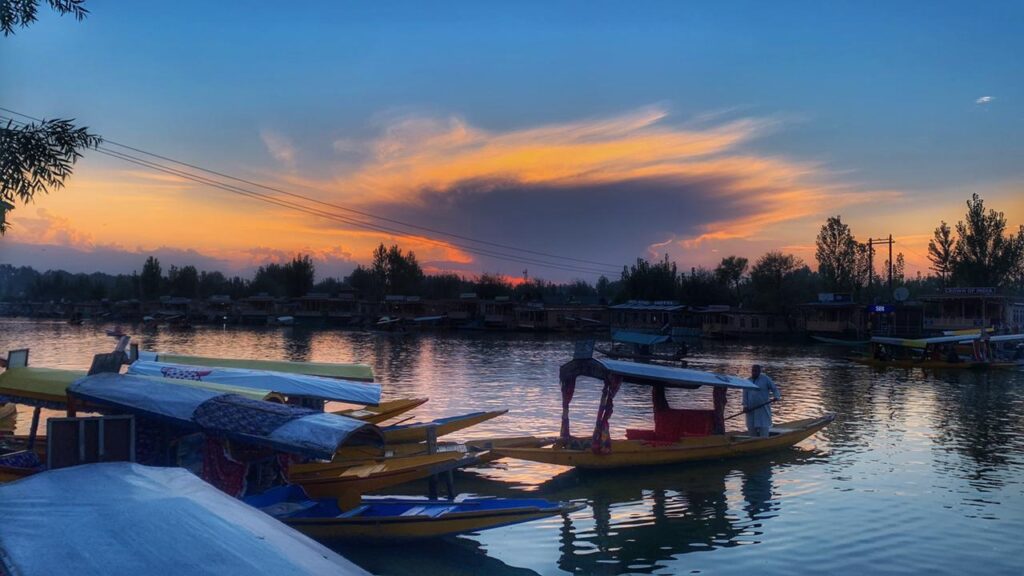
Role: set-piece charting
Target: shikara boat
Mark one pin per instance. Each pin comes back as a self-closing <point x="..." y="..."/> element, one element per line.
<point x="289" y="384"/>
<point x="640" y="347"/>
<point x="678" y="435"/>
<point x="417" y="431"/>
<point x="941" y="352"/>
<point x="384" y="411"/>
<point x="125" y="518"/>
<point x="361" y="372"/>
<point x="482" y="449"/>
<point x="349" y="482"/>
<point x="399" y="518"/>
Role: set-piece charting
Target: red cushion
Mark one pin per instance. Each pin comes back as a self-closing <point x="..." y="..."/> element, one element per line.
<point x="673" y="424"/>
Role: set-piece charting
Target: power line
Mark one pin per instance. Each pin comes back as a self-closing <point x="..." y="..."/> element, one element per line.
<point x="613" y="268"/>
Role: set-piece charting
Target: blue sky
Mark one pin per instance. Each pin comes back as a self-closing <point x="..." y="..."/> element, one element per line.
<point x="879" y="98"/>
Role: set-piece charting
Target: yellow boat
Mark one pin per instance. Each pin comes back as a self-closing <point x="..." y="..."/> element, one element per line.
<point x="384" y="410"/>
<point x="331" y="370"/>
<point x="400" y="518"/>
<point x="417" y="432"/>
<point x="678" y="435"/>
<point x="350" y="482"/>
<point x="482" y="449"/>
<point x="908" y="363"/>
<point x="625" y="453"/>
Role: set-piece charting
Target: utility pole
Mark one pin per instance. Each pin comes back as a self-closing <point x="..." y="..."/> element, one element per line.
<point x="871" y="253"/>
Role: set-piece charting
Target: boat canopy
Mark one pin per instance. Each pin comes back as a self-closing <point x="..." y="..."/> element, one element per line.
<point x="297" y="385"/>
<point x="125" y="518"/>
<point x="48" y="387"/>
<point x="654" y="374"/>
<point x="360" y="372"/>
<point x="43" y="387"/>
<point x="613" y="373"/>
<point x="279" y="426"/>
<point x="639" y="338"/>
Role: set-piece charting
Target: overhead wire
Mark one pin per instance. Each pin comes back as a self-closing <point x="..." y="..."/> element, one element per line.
<point x="597" y="268"/>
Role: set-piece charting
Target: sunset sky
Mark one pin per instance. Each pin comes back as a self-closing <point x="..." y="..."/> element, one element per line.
<point x="594" y="131"/>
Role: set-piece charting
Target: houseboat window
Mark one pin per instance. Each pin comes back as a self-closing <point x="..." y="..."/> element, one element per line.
<point x="743" y="321"/>
<point x="754" y="323"/>
<point x="770" y="322"/>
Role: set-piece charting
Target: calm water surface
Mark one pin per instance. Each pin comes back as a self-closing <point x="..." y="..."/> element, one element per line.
<point x="920" y="472"/>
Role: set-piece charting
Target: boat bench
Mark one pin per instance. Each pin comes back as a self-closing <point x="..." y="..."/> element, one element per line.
<point x="672" y="424"/>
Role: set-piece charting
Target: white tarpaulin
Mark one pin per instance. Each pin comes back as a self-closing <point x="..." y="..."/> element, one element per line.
<point x="317" y="387"/>
<point x="124" y="518"/>
<point x="657" y="374"/>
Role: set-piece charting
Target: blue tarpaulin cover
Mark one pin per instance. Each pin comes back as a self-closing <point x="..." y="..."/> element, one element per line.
<point x="125" y="518"/>
<point x="300" y="385"/>
<point x="282" y="427"/>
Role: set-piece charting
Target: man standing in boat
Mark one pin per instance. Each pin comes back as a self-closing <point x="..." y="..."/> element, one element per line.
<point x="758" y="403"/>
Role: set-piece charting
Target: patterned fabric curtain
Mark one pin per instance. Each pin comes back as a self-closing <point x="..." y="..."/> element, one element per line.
<point x="568" y="389"/>
<point x="601" y="443"/>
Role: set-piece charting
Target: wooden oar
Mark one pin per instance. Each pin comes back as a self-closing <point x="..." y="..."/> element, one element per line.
<point x="751" y="409"/>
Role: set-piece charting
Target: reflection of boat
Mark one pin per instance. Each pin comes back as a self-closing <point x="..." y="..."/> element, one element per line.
<point x="328" y="369"/>
<point x="645" y="522"/>
<point x="417" y="431"/>
<point x="399" y="518"/>
<point x="678" y="435"/>
<point x="130" y="519"/>
<point x="383" y="411"/>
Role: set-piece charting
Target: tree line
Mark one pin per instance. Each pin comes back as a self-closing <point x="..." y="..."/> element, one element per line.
<point x="977" y="251"/>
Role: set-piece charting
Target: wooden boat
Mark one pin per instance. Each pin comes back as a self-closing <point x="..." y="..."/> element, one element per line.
<point x="839" y="341"/>
<point x="678" y="435"/>
<point x="918" y="362"/>
<point x="417" y="431"/>
<point x="639" y="347"/>
<point x="348" y="483"/>
<point x="626" y="453"/>
<point x="361" y="372"/>
<point x="383" y="411"/>
<point x="482" y="449"/>
<point x="390" y="518"/>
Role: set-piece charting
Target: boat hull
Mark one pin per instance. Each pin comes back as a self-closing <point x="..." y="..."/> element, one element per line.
<point x="637" y="453"/>
<point x="932" y="364"/>
<point x="370" y="476"/>
<point x="383" y="411"/>
<point x="417" y="432"/>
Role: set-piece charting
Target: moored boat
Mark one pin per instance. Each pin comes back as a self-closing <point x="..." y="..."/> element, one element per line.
<point x="678" y="435"/>
<point x="349" y="482"/>
<point x="399" y="518"/>
<point x="331" y="370"/>
<point x="418" y="431"/>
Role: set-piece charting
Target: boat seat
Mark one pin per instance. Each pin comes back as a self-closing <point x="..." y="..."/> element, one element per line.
<point x="671" y="424"/>
<point x="428" y="511"/>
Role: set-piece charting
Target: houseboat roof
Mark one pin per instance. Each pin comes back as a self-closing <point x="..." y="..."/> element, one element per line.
<point x="279" y="426"/>
<point x="125" y="518"/>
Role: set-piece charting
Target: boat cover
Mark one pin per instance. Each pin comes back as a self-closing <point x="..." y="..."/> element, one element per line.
<point x="279" y="426"/>
<point x="298" y="385"/>
<point x="668" y="376"/>
<point x="350" y="371"/>
<point x="48" y="387"/>
<point x="639" y="338"/>
<point x="45" y="387"/>
<point x="125" y="518"/>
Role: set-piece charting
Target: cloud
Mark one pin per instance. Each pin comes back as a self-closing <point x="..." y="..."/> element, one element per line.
<point x="984" y="100"/>
<point x="48" y="228"/>
<point x="280" y="148"/>
<point x="606" y="189"/>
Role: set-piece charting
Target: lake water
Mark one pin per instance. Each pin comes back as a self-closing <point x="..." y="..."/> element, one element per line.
<point x="920" y="472"/>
